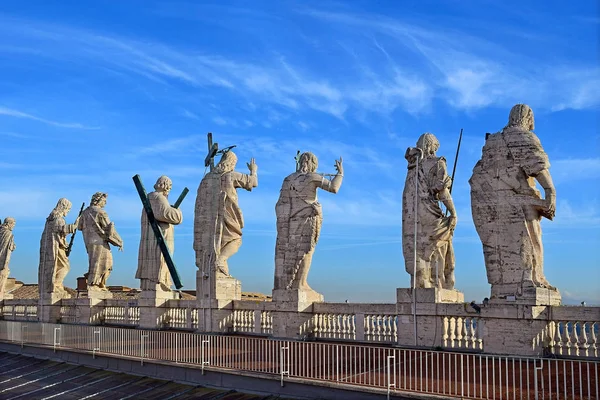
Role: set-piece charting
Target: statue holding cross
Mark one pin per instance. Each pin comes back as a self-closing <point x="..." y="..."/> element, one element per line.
<point x="153" y="267"/>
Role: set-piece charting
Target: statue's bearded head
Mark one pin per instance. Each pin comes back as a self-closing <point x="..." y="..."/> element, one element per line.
<point x="227" y="163"/>
<point x="521" y="115"/>
<point x="308" y="162"/>
<point x="10" y="222"/>
<point x="428" y="143"/>
<point x="99" y="199"/>
<point x="163" y="184"/>
<point x="63" y="207"/>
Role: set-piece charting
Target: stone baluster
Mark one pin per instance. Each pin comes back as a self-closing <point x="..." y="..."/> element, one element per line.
<point x="460" y="325"/>
<point x="575" y="339"/>
<point x="567" y="338"/>
<point x="452" y="330"/>
<point x="585" y="346"/>
<point x="445" y="330"/>
<point x="552" y="336"/>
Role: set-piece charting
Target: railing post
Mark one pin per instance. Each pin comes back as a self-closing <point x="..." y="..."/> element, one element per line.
<point x="142" y="353"/>
<point x="360" y="326"/>
<point x="257" y="321"/>
<point x="189" y="323"/>
<point x="390" y="384"/>
<point x="94" y="348"/>
<point x="203" y="362"/>
<point x="535" y="376"/>
<point x="55" y="343"/>
<point x="126" y="314"/>
<point x="282" y="369"/>
<point x="23" y="330"/>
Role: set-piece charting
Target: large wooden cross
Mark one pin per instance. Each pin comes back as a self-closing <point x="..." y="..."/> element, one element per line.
<point x="157" y="232"/>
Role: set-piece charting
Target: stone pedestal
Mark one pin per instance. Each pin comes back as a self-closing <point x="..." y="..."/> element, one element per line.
<point x="298" y="299"/>
<point x="429" y="295"/>
<point x="525" y="294"/>
<point x="89" y="310"/>
<point x="515" y="329"/>
<point x="7" y="296"/>
<point x="49" y="306"/>
<point x="293" y="312"/>
<point x="152" y="306"/>
<point x="431" y="305"/>
<point x="215" y="297"/>
<point x="225" y="288"/>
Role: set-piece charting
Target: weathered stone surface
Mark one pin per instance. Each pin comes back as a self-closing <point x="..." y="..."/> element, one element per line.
<point x="299" y="219"/>
<point x="429" y="295"/>
<point x="435" y="254"/>
<point x="218" y="223"/>
<point x="507" y="210"/>
<point x="7" y="246"/>
<point x="152" y="271"/>
<point x="54" y="263"/>
<point x="98" y="234"/>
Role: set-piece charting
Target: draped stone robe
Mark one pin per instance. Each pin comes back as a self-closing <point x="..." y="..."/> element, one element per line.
<point x="434" y="231"/>
<point x="299" y="220"/>
<point x="7" y="246"/>
<point x="506" y="209"/>
<point x="98" y="232"/>
<point x="218" y="219"/>
<point x="152" y="267"/>
<point x="54" y="263"/>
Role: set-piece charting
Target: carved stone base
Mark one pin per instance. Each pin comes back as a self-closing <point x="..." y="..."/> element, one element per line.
<point x="7" y="296"/>
<point x="526" y="294"/>
<point x="89" y="310"/>
<point x="296" y="299"/>
<point x="429" y="295"/>
<point x="159" y="294"/>
<point x="49" y="306"/>
<point x="98" y="294"/>
<point x="224" y="288"/>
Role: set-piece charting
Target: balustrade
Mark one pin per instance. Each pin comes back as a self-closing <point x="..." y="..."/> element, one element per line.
<point x="381" y="328"/>
<point x="462" y="333"/>
<point x="574" y="338"/>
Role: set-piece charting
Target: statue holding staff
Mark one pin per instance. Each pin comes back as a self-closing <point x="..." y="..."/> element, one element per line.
<point x="54" y="262"/>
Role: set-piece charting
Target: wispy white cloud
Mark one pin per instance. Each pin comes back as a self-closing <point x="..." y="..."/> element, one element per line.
<point x="574" y="169"/>
<point x="20" y="114"/>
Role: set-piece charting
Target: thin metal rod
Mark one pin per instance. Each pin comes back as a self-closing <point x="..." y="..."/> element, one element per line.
<point x="416" y="208"/>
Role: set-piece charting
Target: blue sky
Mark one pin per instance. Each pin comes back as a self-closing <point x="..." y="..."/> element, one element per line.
<point x="92" y="93"/>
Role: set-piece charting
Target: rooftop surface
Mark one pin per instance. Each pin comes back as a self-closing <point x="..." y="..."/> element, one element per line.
<point x="23" y="377"/>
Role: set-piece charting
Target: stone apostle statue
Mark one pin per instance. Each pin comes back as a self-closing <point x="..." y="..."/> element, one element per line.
<point x="435" y="254"/>
<point x="54" y="263"/>
<point x="218" y="219"/>
<point x="152" y="269"/>
<point x="98" y="234"/>
<point x="507" y="208"/>
<point x="299" y="219"/>
<point x="7" y="246"/>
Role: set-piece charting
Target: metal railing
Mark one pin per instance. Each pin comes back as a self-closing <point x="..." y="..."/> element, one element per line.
<point x="392" y="370"/>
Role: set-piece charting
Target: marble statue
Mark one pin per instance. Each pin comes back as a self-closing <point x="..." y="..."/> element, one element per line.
<point x="98" y="234"/>
<point x="507" y="208"/>
<point x="435" y="254"/>
<point x="218" y="219"/>
<point x="299" y="219"/>
<point x="152" y="269"/>
<point x="54" y="262"/>
<point x="7" y="246"/>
